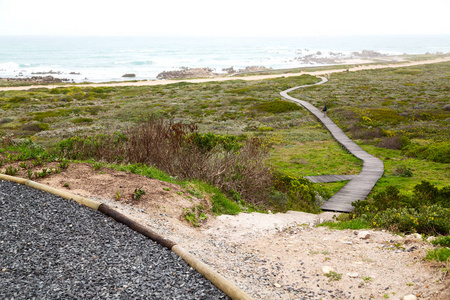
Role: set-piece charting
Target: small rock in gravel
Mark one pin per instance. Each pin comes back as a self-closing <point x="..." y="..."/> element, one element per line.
<point x="411" y="249"/>
<point x="327" y="269"/>
<point x="364" y="235"/>
<point x="353" y="275"/>
<point x="277" y="285"/>
<point x="417" y="236"/>
<point x="409" y="297"/>
<point x="430" y="239"/>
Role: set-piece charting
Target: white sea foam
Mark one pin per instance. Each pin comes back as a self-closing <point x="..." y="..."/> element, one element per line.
<point x="107" y="59"/>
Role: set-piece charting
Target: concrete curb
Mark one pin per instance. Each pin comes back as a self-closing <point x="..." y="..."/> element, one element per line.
<point x="218" y="280"/>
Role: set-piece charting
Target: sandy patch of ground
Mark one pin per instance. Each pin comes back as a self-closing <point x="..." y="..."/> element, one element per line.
<point x="270" y="256"/>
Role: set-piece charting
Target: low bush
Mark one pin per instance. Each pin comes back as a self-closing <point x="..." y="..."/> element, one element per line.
<point x="360" y="131"/>
<point x="403" y="171"/>
<point x="181" y="151"/>
<point x="82" y="120"/>
<point x="443" y="241"/>
<point x="440" y="254"/>
<point x="208" y="141"/>
<point x="438" y="152"/>
<point x="35" y="127"/>
<point x="394" y="142"/>
<point x="428" y="219"/>
<point x="5" y="120"/>
<point x="276" y="107"/>
<point x="426" y="211"/>
<point x="294" y="193"/>
<point x="24" y="149"/>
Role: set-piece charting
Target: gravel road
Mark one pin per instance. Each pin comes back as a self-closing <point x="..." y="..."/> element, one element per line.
<point x="51" y="248"/>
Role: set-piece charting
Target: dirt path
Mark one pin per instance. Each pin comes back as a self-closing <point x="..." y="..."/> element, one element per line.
<point x="270" y="256"/>
<point x="249" y="78"/>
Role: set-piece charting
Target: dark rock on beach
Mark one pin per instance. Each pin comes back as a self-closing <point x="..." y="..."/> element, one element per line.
<point x="252" y="69"/>
<point x="186" y="72"/>
<point x="129" y="75"/>
<point x="229" y="70"/>
<point x="48" y="72"/>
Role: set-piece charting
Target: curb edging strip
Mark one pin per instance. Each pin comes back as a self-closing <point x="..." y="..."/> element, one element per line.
<point x="218" y="280"/>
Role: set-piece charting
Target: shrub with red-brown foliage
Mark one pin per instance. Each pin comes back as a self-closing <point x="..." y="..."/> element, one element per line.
<point x="171" y="148"/>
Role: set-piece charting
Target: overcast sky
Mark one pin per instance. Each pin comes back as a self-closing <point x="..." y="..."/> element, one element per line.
<point x="223" y="18"/>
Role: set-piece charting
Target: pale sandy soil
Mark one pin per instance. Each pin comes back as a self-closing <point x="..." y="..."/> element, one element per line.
<point x="270" y="256"/>
<point x="396" y="64"/>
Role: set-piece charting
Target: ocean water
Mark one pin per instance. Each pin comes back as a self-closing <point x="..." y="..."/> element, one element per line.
<point x="100" y="59"/>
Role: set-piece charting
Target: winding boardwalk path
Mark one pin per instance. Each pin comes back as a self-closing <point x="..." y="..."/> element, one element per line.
<point x="359" y="186"/>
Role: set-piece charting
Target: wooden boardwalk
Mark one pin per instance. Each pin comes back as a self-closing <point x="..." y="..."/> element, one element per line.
<point x="330" y="178"/>
<point x="360" y="185"/>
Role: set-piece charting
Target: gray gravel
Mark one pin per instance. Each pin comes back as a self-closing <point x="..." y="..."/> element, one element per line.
<point x="51" y="248"/>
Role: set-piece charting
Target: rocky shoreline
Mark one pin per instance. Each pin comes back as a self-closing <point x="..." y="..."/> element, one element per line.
<point x="185" y="72"/>
<point x="38" y="79"/>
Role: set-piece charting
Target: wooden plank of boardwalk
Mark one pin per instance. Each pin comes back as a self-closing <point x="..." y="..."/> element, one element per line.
<point x="359" y="187"/>
<point x="329" y="178"/>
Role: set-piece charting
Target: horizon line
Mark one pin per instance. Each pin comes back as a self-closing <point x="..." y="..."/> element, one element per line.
<point x="225" y="36"/>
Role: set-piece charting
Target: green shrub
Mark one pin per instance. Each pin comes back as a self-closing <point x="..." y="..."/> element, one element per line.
<point x="276" y="107"/>
<point x="438" y="152"/>
<point x="426" y="210"/>
<point x="82" y="120"/>
<point x="63" y="164"/>
<point x="196" y="215"/>
<point x="137" y="194"/>
<point x="18" y="99"/>
<point x="443" y="241"/>
<point x="426" y="193"/>
<point x="207" y="141"/>
<point x="265" y="128"/>
<point x="36" y="127"/>
<point x="441" y="254"/>
<point x="427" y="219"/>
<point x="293" y="193"/>
<point x="385" y="116"/>
<point x="6" y="120"/>
<point x="403" y="171"/>
<point x="26" y="149"/>
<point x="11" y="171"/>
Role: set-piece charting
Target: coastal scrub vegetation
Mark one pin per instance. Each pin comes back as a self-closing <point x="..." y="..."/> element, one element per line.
<point x="399" y="115"/>
<point x="426" y="210"/>
<point x="179" y="150"/>
<point x="403" y="109"/>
